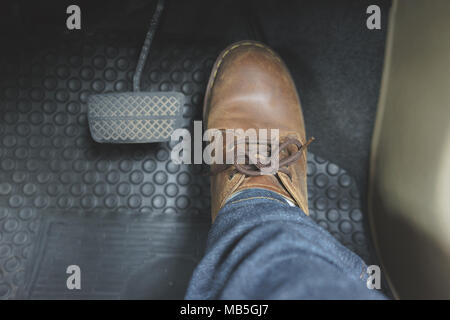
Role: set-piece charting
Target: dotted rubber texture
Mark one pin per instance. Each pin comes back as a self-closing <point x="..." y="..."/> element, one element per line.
<point x="134" y="222"/>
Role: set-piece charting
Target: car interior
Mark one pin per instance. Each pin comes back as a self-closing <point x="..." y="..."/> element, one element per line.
<point x="376" y="100"/>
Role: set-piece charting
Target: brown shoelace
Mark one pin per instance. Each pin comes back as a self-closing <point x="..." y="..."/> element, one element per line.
<point x="255" y="169"/>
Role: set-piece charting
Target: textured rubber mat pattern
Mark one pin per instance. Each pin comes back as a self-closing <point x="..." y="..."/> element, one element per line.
<point x="120" y="256"/>
<point x="134" y="221"/>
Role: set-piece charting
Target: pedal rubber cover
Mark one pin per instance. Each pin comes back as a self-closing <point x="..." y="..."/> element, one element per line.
<point x="134" y="117"/>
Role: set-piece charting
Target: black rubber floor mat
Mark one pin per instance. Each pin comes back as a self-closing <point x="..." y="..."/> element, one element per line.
<point x="133" y="256"/>
<point x="132" y="220"/>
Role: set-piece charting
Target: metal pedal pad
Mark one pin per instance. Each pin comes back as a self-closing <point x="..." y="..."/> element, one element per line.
<point x="134" y="117"/>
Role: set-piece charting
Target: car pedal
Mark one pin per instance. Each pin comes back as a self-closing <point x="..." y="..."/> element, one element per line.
<point x="134" y="117"/>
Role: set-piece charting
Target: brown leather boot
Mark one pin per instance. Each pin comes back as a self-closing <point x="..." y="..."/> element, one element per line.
<point x="250" y="87"/>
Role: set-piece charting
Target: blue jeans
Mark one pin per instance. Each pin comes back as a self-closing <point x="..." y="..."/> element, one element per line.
<point x="260" y="247"/>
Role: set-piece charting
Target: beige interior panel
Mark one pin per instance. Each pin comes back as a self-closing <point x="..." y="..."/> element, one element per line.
<point x="409" y="193"/>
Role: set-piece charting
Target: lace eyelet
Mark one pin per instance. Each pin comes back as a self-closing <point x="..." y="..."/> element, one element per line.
<point x="255" y="170"/>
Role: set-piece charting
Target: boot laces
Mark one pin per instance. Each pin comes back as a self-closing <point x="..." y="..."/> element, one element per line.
<point x="250" y="170"/>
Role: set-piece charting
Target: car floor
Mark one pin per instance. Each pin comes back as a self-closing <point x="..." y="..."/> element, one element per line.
<point x="135" y="222"/>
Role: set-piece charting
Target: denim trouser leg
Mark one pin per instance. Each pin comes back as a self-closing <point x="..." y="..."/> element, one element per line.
<point x="259" y="247"/>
